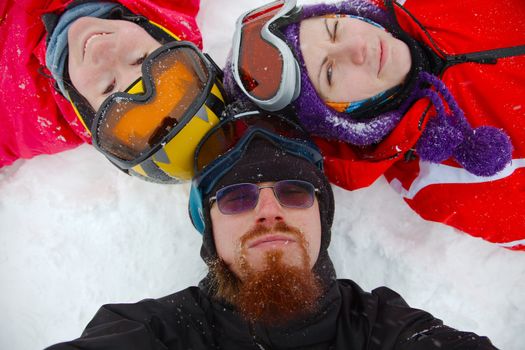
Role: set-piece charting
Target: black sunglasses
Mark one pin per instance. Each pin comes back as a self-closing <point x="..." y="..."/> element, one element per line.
<point x="241" y="197"/>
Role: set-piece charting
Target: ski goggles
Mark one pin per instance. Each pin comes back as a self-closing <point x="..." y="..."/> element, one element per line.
<point x="241" y="197"/>
<point x="153" y="127"/>
<point x="264" y="66"/>
<point x="226" y="143"/>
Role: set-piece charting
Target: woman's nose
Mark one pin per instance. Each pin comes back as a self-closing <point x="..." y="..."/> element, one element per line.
<point x="353" y="49"/>
<point x="103" y="53"/>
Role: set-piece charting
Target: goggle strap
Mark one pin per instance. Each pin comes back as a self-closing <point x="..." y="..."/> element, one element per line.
<point x="152" y="171"/>
<point x="217" y="91"/>
<point x="219" y="71"/>
<point x="81" y="108"/>
<point x="164" y="30"/>
<point x="231" y="157"/>
<point x="80" y="116"/>
<point x="214" y="102"/>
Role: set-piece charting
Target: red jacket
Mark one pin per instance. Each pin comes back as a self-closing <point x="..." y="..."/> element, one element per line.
<point x="489" y="94"/>
<point x="34" y="118"/>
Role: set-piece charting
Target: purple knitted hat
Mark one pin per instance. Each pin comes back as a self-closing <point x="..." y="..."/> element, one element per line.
<point x="483" y="151"/>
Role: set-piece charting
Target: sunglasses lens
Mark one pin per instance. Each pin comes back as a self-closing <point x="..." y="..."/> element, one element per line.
<point x="260" y="63"/>
<point x="295" y="193"/>
<point x="237" y="198"/>
<point x="130" y="125"/>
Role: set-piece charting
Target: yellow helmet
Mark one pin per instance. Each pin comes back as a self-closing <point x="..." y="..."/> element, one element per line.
<point x="151" y="130"/>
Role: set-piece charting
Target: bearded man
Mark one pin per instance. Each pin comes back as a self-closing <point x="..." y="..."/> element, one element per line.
<point x="265" y="210"/>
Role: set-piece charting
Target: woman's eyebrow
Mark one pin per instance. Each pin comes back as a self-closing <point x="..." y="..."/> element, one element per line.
<point x="327" y="29"/>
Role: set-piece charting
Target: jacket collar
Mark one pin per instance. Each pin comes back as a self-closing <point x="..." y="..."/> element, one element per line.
<point x="315" y="332"/>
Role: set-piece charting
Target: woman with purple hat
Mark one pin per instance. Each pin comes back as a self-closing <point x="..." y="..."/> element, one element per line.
<point x="430" y="94"/>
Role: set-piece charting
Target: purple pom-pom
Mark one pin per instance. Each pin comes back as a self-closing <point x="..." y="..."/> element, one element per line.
<point x="439" y="140"/>
<point x="485" y="152"/>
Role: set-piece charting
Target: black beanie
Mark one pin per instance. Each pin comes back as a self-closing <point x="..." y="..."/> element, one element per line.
<point x="264" y="162"/>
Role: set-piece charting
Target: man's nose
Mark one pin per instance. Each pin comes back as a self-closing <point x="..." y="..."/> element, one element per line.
<point x="353" y="49"/>
<point x="268" y="210"/>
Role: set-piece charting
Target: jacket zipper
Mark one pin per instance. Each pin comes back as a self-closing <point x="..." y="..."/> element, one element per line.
<point x="256" y="340"/>
<point x="260" y="346"/>
<point x="484" y="57"/>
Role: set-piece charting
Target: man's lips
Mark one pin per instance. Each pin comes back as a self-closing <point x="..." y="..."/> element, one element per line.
<point x="271" y="239"/>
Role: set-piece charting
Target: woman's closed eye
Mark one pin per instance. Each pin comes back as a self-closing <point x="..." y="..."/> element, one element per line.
<point x="140" y="60"/>
<point x="333" y="37"/>
<point x="329" y="72"/>
<point x="110" y="87"/>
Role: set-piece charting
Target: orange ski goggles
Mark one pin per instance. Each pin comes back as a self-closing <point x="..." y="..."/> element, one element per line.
<point x="153" y="127"/>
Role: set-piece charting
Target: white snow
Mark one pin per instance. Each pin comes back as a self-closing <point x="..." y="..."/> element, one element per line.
<point x="76" y="233"/>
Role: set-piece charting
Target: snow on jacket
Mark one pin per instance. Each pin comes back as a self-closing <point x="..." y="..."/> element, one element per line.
<point x="34" y="118"/>
<point x="483" y="45"/>
<point x="348" y="318"/>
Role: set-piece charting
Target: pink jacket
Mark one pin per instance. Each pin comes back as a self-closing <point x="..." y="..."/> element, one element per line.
<point x="34" y="118"/>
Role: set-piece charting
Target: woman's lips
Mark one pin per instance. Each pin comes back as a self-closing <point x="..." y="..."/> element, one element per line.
<point x="271" y="240"/>
<point x="89" y="39"/>
<point x="383" y="56"/>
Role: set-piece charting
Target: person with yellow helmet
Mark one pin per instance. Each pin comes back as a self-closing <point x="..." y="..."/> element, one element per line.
<point x="135" y="84"/>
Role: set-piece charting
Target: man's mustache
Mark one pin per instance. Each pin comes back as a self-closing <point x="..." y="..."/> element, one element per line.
<point x="262" y="230"/>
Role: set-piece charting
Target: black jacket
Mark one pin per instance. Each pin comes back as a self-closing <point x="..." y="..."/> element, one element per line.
<point x="348" y="318"/>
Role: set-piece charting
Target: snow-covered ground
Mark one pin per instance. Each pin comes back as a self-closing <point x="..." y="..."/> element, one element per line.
<point x="76" y="233"/>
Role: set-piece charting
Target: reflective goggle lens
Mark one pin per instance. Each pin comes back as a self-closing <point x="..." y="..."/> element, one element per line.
<point x="260" y="63"/>
<point x="238" y="198"/>
<point x="226" y="135"/>
<point x="130" y="125"/>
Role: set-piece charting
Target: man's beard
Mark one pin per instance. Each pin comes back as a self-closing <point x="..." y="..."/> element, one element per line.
<point x="274" y="295"/>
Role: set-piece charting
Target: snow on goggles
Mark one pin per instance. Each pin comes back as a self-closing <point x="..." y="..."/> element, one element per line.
<point x="226" y="143"/>
<point x="264" y="66"/>
<point x="223" y="146"/>
<point x="241" y="197"/>
<point x="155" y="125"/>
